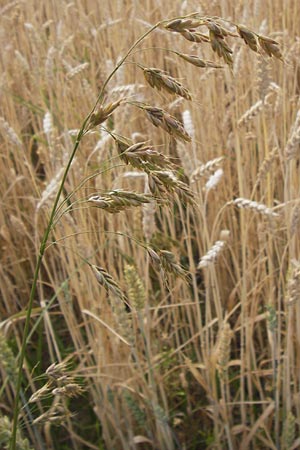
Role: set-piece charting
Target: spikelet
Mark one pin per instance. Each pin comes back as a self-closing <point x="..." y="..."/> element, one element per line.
<point x="118" y="200"/>
<point x="69" y="390"/>
<point x="248" y="36"/>
<point x="56" y="415"/>
<point x="102" y="113"/>
<point x="159" y="118"/>
<point x="270" y="46"/>
<point x="214" y="252"/>
<point x="161" y="80"/>
<point x="56" y="370"/>
<point x="194" y="36"/>
<point x="106" y="280"/>
<point x="254" y="206"/>
<point x="165" y="182"/>
<point x="142" y="156"/>
<point x="168" y="262"/>
<point x="198" y="62"/>
<point x="42" y="393"/>
<point x="180" y="25"/>
<point x="136" y="293"/>
<point x="218" y="44"/>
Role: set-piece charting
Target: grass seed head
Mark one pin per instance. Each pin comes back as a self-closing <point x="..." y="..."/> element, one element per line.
<point x="106" y="280"/>
<point x="248" y="36"/>
<point x="102" y="113"/>
<point x="219" y="46"/>
<point x="179" y="25"/>
<point x="161" y="80"/>
<point x="270" y="46"/>
<point x="194" y="36"/>
<point x="118" y="200"/>
<point x="159" y="118"/>
<point x="198" y="62"/>
<point x="135" y="287"/>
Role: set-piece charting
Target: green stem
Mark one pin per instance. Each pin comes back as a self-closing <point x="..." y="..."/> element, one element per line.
<point x="42" y="249"/>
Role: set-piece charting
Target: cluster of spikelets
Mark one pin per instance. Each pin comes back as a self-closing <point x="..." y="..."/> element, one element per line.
<point x="161" y="173"/>
<point x="163" y="260"/>
<point x="60" y="385"/>
<point x="188" y="28"/>
<point x="162" y="177"/>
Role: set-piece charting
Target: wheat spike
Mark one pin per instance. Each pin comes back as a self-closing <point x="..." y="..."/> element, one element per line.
<point x="135" y="289"/>
<point x="255" y="206"/>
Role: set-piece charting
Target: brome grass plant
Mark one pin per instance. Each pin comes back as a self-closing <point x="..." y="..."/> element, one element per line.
<point x="149" y="225"/>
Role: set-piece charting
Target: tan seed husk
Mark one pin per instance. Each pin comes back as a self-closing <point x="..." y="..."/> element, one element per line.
<point x="194" y="36"/>
<point x="118" y="200"/>
<point x="248" y="36"/>
<point x="170" y="124"/>
<point x="270" y="46"/>
<point x="102" y="113"/>
<point x="161" y="80"/>
<point x="198" y="62"/>
<point x="179" y="25"/>
<point x="220" y="47"/>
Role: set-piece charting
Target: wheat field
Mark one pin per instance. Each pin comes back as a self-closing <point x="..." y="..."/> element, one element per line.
<point x="166" y="313"/>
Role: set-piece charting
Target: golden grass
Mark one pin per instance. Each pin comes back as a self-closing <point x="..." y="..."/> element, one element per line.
<point x="145" y="327"/>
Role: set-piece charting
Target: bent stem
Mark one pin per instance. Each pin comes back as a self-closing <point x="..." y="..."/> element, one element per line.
<point x="43" y="244"/>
